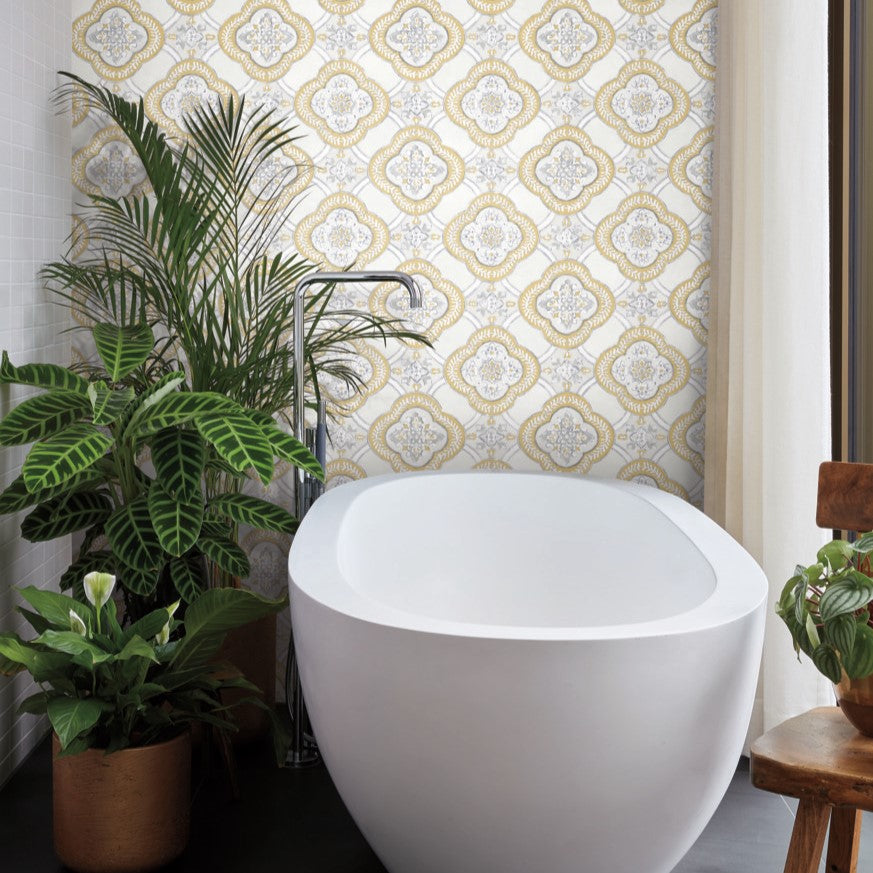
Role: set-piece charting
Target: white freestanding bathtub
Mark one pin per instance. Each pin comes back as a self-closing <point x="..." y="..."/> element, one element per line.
<point x="524" y="673"/>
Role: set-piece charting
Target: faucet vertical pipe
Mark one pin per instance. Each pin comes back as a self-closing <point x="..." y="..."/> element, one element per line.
<point x="371" y="276"/>
<point x="304" y="751"/>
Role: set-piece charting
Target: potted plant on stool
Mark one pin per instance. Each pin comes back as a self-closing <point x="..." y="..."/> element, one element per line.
<point x="121" y="701"/>
<point x="827" y="608"/>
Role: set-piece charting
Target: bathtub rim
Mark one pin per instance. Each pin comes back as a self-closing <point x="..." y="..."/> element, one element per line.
<point x="740" y="584"/>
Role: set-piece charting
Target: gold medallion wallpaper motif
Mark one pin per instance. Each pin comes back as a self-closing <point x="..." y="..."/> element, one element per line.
<point x="543" y="169"/>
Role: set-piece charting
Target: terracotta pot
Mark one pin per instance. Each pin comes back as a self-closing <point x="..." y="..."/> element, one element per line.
<point x="856" y="701"/>
<point x="128" y="811"/>
<point x="252" y="650"/>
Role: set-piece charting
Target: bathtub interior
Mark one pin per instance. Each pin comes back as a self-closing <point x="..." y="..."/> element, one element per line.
<point x="519" y="550"/>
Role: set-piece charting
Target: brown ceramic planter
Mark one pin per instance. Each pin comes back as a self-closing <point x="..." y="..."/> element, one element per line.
<point x="124" y="812"/>
<point x="856" y="702"/>
<point x="252" y="650"/>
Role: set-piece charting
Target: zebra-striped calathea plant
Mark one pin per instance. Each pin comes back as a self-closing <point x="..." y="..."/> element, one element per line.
<point x="151" y="526"/>
<point x="827" y="608"/>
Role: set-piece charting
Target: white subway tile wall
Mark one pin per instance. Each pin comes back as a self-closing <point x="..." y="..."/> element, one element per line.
<point x="35" y="206"/>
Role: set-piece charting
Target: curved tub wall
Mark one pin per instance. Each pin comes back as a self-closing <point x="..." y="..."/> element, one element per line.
<point x="472" y="748"/>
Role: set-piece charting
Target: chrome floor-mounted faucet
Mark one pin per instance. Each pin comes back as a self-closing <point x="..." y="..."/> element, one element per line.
<point x="304" y="751"/>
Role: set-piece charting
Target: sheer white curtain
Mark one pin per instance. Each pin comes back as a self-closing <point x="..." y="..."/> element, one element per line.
<point x="767" y="419"/>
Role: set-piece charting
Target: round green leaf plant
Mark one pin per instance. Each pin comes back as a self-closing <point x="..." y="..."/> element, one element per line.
<point x="827" y="608"/>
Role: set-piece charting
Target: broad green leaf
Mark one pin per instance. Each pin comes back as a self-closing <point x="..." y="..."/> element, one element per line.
<point x="73" y="716"/>
<point x="35" y="704"/>
<point x="167" y="384"/>
<point x="137" y="647"/>
<point x="73" y="644"/>
<point x="122" y="349"/>
<point x="187" y="576"/>
<point x="107" y="404"/>
<point x="55" y="608"/>
<point x="845" y="596"/>
<point x="175" y="520"/>
<point x="178" y="408"/>
<point x="226" y="554"/>
<point x="179" y="457"/>
<point x="148" y="625"/>
<point x="835" y="553"/>
<point x="132" y="536"/>
<point x="41" y="416"/>
<point x="63" y="515"/>
<point x="864" y="544"/>
<point x="62" y="456"/>
<point x="17" y="497"/>
<point x="48" y="376"/>
<point x="827" y="662"/>
<point x="34" y="619"/>
<point x="211" y="616"/>
<point x="292" y="450"/>
<point x="253" y="511"/>
<point x="15" y="654"/>
<point x="239" y="441"/>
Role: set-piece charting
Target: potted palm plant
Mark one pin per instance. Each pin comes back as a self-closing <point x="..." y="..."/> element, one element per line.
<point x="120" y="701"/>
<point x="828" y="608"/>
<point x="201" y="252"/>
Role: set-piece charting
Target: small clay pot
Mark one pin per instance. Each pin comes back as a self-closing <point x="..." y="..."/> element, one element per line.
<point x="856" y="701"/>
<point x="124" y="812"/>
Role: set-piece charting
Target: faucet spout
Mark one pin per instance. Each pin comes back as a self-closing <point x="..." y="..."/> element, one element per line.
<point x="368" y="276"/>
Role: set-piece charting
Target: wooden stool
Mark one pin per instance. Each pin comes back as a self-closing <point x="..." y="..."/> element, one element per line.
<point x="819" y="758"/>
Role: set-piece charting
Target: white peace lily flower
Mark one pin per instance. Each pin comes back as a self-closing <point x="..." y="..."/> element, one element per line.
<point x="77" y="625"/>
<point x="163" y="635"/>
<point x="98" y="588"/>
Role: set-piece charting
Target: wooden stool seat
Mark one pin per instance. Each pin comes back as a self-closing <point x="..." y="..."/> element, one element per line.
<point x="819" y="758"/>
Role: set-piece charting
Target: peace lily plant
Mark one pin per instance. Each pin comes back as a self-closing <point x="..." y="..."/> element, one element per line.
<point x="152" y="526"/>
<point x="827" y="608"/>
<point x="108" y="687"/>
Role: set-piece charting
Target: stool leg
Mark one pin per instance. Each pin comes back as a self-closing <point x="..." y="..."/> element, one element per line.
<point x="807" y="838"/>
<point x="843" y="840"/>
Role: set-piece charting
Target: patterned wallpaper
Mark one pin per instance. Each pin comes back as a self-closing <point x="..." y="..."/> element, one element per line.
<point x="544" y="170"/>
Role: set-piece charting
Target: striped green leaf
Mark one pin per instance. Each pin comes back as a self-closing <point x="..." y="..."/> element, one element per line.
<point x="41" y="416"/>
<point x="17" y="497"/>
<point x="845" y="596"/>
<point x="239" y="441"/>
<point x="825" y="658"/>
<point x="167" y="384"/>
<point x="179" y="457"/>
<point x="253" y="511"/>
<point x="840" y="633"/>
<point x="859" y="663"/>
<point x="132" y="537"/>
<point x="176" y="521"/>
<point x="122" y="349"/>
<point x="49" y="376"/>
<point x="226" y="554"/>
<point x="140" y="582"/>
<point x="108" y="404"/>
<point x="73" y="576"/>
<point x="187" y="576"/>
<point x="178" y="408"/>
<point x="292" y="450"/>
<point x="59" y="458"/>
<point x="63" y="515"/>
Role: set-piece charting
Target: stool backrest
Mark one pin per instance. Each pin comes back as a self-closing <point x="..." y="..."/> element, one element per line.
<point x="845" y="496"/>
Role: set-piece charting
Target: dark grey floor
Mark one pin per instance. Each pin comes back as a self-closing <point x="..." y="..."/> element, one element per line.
<point x="294" y="820"/>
